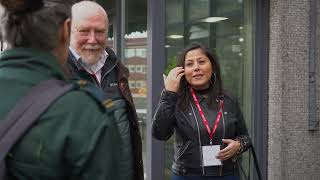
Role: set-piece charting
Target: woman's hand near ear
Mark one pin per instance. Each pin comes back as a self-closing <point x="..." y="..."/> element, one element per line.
<point x="172" y="81"/>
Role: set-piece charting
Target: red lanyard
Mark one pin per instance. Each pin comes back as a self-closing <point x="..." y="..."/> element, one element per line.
<point x="205" y="122"/>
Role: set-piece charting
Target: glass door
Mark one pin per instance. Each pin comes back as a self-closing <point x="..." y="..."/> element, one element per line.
<point x="226" y="28"/>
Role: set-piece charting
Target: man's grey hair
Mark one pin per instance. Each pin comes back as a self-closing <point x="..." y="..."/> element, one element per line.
<point x="84" y="7"/>
<point x="35" y="28"/>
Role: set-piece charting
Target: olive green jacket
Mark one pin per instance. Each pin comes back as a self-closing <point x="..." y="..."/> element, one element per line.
<point x="75" y="139"/>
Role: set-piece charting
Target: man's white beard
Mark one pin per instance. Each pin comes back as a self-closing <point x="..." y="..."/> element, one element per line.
<point x="90" y="54"/>
<point x="90" y="57"/>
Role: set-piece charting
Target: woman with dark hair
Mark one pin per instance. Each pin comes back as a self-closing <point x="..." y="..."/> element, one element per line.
<point x="210" y="131"/>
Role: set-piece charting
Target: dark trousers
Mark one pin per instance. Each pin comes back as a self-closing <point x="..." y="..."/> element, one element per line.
<point x="229" y="177"/>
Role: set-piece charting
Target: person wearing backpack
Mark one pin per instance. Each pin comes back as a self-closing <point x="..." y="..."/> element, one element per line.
<point x="76" y="137"/>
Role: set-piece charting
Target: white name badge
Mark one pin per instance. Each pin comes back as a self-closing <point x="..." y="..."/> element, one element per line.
<point x="209" y="154"/>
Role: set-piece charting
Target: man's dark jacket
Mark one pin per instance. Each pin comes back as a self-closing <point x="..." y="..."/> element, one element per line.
<point x="114" y="67"/>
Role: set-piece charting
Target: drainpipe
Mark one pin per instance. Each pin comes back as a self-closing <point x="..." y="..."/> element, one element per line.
<point x="312" y="116"/>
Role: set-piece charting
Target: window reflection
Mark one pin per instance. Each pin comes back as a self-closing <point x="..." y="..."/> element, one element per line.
<point x="138" y="52"/>
<point x="135" y="58"/>
<point x="200" y="9"/>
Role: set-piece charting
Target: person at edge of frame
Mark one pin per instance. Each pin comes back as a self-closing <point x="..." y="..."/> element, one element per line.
<point x="76" y="138"/>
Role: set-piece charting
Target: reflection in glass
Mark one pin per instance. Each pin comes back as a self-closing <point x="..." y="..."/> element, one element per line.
<point x="198" y="9"/>
<point x="135" y="58"/>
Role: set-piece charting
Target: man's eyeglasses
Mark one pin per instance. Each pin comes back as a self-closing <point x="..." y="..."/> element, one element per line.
<point x="88" y="32"/>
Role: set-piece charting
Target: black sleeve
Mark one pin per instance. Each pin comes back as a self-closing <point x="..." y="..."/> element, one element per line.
<point x="164" y="118"/>
<point x="241" y="131"/>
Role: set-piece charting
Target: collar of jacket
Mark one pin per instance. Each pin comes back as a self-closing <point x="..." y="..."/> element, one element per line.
<point x="41" y="61"/>
<point x="123" y="72"/>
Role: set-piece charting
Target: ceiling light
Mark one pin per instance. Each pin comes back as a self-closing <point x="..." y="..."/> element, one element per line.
<point x="214" y="19"/>
<point x="175" y="36"/>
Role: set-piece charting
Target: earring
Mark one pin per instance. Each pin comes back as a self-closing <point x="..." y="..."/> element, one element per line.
<point x="214" y="78"/>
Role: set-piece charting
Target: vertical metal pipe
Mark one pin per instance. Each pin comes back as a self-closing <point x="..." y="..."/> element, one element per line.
<point x="261" y="86"/>
<point x="156" y="65"/>
<point x="313" y="123"/>
<point x="119" y="28"/>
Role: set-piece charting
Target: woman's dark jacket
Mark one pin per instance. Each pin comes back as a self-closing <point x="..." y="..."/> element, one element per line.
<point x="115" y="74"/>
<point x="169" y="119"/>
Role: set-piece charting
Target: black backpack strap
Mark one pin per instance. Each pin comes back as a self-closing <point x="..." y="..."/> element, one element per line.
<point x="26" y="112"/>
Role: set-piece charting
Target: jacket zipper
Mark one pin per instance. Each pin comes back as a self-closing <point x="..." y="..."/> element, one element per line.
<point x="200" y="149"/>
<point x="223" y="136"/>
<point x="105" y="74"/>
<point x="184" y="149"/>
<point x="96" y="82"/>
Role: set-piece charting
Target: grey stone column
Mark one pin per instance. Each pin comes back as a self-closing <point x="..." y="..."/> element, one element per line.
<point x="293" y="151"/>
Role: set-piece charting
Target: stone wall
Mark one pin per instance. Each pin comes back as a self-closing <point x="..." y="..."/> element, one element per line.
<point x="293" y="151"/>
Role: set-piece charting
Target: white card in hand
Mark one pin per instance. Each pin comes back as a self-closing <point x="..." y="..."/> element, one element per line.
<point x="209" y="154"/>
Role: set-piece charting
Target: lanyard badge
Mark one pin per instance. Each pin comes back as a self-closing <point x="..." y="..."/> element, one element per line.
<point x="210" y="152"/>
<point x="204" y="119"/>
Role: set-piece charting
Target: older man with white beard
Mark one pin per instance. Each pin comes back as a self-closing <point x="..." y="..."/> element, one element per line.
<point x="91" y="59"/>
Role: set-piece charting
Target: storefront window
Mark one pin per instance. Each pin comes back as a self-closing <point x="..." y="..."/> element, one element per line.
<point x="226" y="28"/>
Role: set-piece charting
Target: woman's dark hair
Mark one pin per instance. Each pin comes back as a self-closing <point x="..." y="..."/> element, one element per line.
<point x="33" y="23"/>
<point x="215" y="88"/>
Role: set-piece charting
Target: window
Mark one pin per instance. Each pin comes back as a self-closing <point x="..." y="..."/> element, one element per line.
<point x="144" y="69"/>
<point x="139" y="84"/>
<point x="135" y="37"/>
<point x="139" y="68"/>
<point x="141" y="52"/>
<point x="132" y="68"/>
<point x="129" y="53"/>
<point x="132" y="84"/>
<point x="225" y="27"/>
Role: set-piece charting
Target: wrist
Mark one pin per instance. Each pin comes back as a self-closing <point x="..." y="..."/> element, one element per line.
<point x="171" y="89"/>
<point x="239" y="150"/>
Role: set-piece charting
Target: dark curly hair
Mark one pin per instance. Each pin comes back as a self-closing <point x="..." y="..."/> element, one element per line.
<point x="19" y="6"/>
<point x="215" y="88"/>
